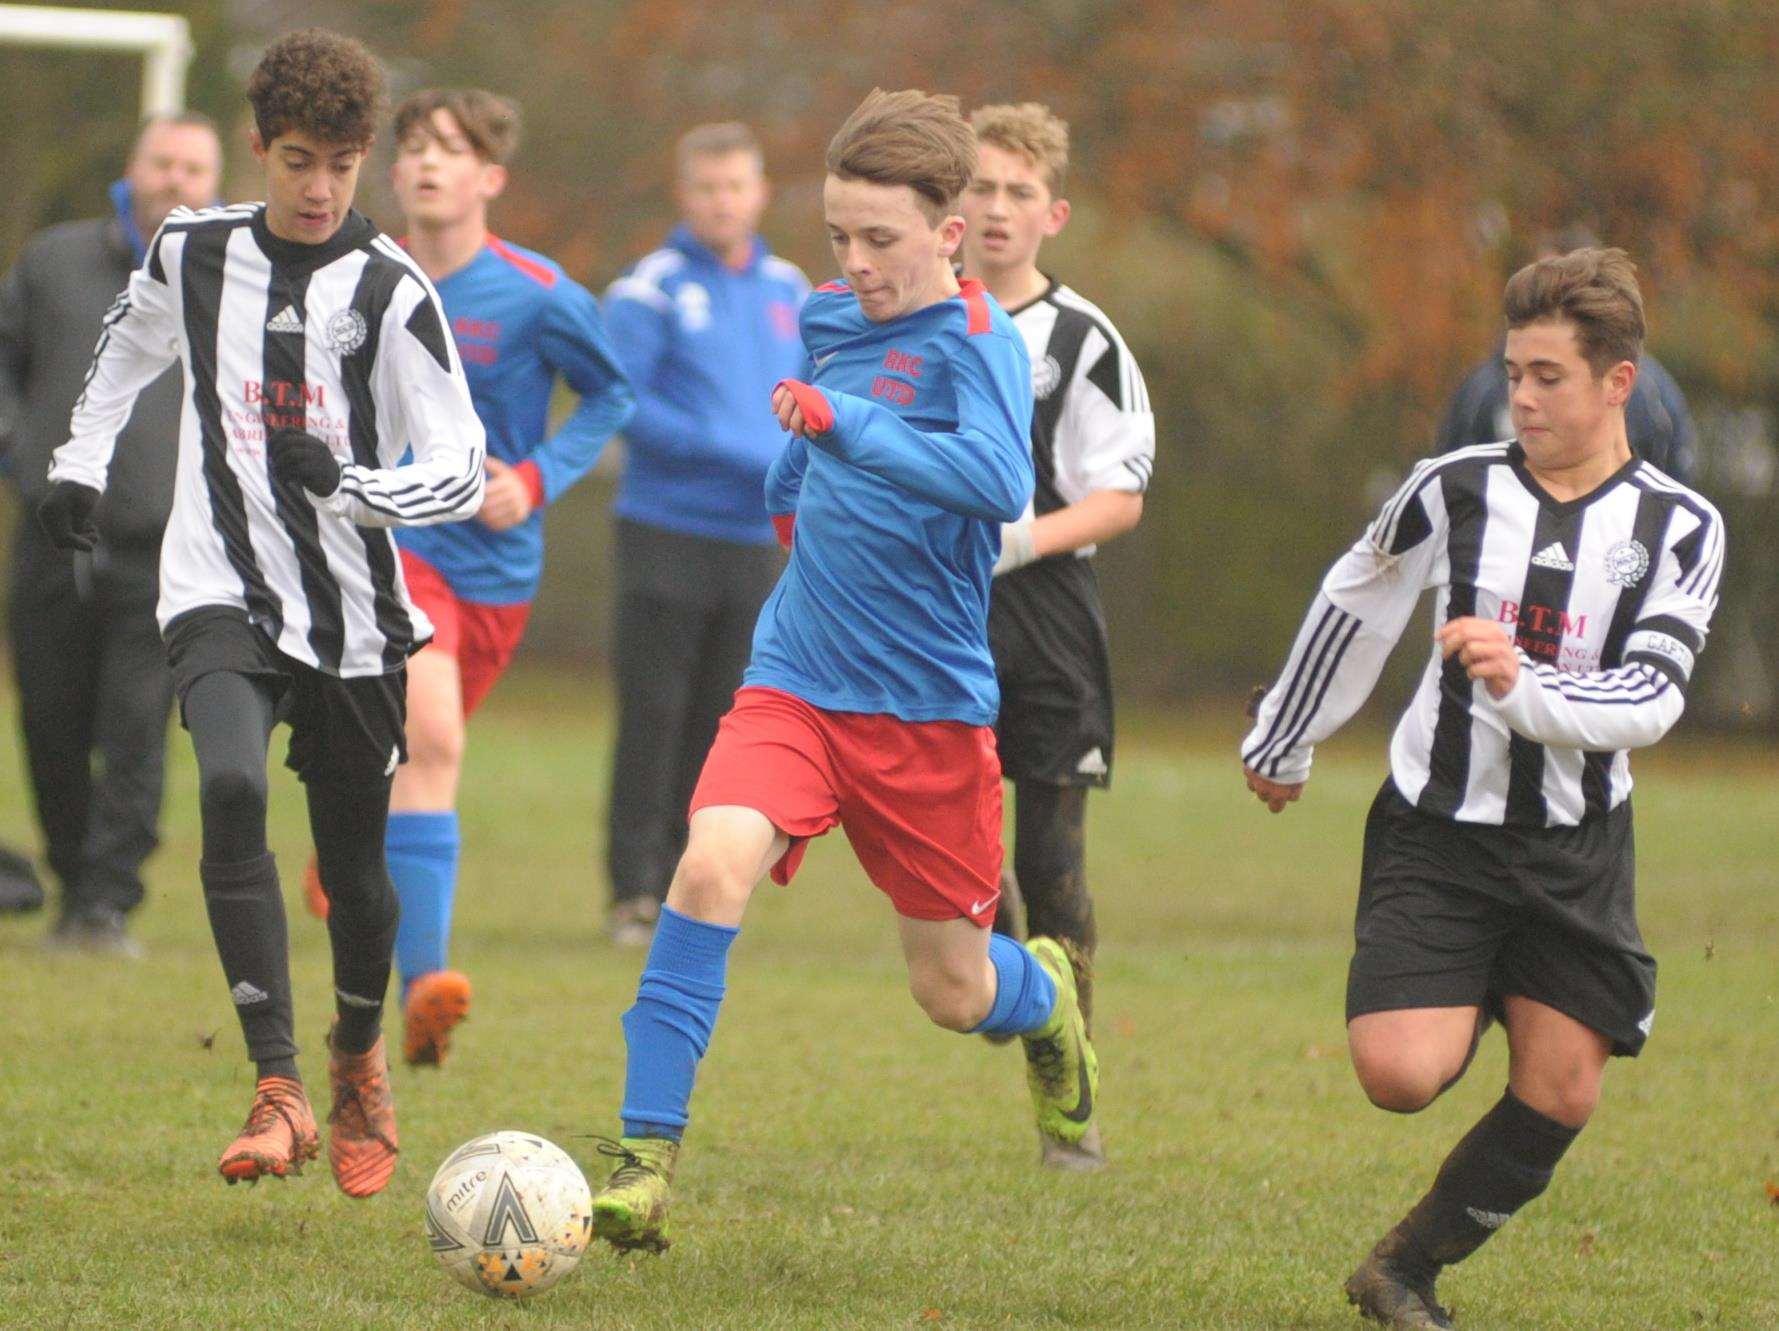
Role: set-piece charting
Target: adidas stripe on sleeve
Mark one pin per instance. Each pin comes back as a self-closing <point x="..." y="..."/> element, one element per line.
<point x="345" y="340"/>
<point x="1608" y="600"/>
<point x="1092" y="425"/>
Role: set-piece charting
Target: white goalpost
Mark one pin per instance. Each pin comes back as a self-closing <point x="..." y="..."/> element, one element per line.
<point x="162" y="40"/>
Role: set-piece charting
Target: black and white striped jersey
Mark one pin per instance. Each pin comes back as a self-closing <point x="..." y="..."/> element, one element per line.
<point x="1609" y="598"/>
<point x="1092" y="426"/>
<point x="346" y="340"/>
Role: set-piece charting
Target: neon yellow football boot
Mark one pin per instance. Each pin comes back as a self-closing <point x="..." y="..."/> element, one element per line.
<point x="1060" y="1065"/>
<point x="630" y="1211"/>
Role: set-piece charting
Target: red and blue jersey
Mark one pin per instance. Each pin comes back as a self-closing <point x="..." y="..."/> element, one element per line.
<point x="898" y="505"/>
<point x="520" y="323"/>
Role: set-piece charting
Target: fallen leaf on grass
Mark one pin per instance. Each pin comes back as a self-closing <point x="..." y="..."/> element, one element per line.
<point x="932" y="1315"/>
<point x="1773" y="1192"/>
<point x="1586" y="1246"/>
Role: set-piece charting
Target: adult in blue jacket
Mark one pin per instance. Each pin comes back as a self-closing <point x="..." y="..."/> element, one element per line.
<point x="704" y="326"/>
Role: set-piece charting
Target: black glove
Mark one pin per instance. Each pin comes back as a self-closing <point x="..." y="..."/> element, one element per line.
<point x="298" y="457"/>
<point x="67" y="515"/>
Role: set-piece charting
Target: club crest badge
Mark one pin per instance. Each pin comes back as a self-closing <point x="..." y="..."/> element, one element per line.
<point x="1046" y="377"/>
<point x="346" y="331"/>
<point x="1626" y="563"/>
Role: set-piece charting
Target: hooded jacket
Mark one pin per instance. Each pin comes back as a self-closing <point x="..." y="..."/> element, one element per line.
<point x="52" y="306"/>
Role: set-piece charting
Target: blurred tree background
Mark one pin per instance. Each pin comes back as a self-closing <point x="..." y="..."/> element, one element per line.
<point x="1299" y="212"/>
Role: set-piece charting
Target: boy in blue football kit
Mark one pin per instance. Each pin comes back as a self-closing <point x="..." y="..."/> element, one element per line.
<point x="519" y="323"/>
<point x="871" y="696"/>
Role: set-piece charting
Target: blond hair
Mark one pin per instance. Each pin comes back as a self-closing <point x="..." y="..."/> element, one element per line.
<point x="1031" y="130"/>
<point x="908" y="138"/>
<point x="1594" y="289"/>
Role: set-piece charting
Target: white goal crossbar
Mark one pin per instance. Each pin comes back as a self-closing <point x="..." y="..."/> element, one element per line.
<point x="163" y="40"/>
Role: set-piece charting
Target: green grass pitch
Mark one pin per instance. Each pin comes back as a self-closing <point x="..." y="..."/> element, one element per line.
<point x="851" y="1166"/>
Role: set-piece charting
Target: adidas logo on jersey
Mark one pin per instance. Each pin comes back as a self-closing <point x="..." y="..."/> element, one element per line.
<point x="246" y="994"/>
<point x="285" y="321"/>
<point x="1554" y="556"/>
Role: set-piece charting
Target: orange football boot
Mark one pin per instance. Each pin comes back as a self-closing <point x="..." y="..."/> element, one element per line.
<point x="361" y="1143"/>
<point x="436" y="1003"/>
<point x="278" y="1137"/>
<point x="313" y="896"/>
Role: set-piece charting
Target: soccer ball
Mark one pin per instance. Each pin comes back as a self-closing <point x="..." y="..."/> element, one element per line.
<point x="509" y="1214"/>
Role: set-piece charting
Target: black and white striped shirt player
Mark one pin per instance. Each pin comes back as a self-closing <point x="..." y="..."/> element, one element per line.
<point x="1609" y="598"/>
<point x="1092" y="430"/>
<point x="346" y="340"/>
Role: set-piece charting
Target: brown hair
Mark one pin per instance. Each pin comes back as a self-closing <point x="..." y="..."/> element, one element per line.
<point x="189" y="119"/>
<point x="908" y="138"/>
<point x="318" y="83"/>
<point x="488" y="121"/>
<point x="1031" y="130"/>
<point x="718" y="140"/>
<point x="1594" y="289"/>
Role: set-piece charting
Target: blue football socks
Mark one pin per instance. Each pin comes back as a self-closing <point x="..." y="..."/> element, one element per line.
<point x="422" y="850"/>
<point x="668" y="1029"/>
<point x="1025" y="995"/>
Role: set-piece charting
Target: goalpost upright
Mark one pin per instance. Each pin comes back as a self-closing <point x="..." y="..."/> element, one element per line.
<point x="163" y="41"/>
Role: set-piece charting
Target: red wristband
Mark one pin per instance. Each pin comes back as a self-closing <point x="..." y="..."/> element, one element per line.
<point x="818" y="416"/>
<point x="534" y="481"/>
<point x="782" y="526"/>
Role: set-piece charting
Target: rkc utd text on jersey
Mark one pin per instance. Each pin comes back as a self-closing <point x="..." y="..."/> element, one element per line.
<point x="897" y="362"/>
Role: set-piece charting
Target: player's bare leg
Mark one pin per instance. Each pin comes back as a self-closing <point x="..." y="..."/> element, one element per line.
<point x="728" y="851"/>
<point x="1555" y="1068"/>
<point x="957" y="983"/>
<point x="949" y="972"/>
<point x="1405" y="1059"/>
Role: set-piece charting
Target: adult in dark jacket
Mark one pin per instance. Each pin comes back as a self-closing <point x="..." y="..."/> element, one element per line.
<point x="91" y="670"/>
<point x="1656" y="418"/>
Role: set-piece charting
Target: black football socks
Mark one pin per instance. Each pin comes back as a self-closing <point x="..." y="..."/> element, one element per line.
<point x="247" y="919"/>
<point x="1502" y="1163"/>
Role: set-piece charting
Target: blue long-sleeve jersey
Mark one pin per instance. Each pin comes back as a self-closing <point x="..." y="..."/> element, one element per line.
<point x="898" y="510"/>
<point x="703" y="344"/>
<point x="519" y="323"/>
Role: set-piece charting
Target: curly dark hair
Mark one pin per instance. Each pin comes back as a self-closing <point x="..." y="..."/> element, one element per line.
<point x="320" y="83"/>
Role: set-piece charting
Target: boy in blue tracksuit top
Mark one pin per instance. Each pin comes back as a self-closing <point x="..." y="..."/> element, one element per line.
<point x="519" y="324"/>
<point x="705" y="326"/>
<point x="870" y="699"/>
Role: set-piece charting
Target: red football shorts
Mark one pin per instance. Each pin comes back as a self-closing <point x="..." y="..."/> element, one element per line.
<point x="482" y="638"/>
<point x="920" y="800"/>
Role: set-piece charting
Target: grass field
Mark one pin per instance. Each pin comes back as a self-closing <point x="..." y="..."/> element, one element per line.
<point x="851" y="1166"/>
